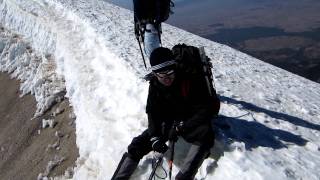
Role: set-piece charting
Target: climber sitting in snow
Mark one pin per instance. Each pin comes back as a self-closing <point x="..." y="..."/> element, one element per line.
<point x="177" y="101"/>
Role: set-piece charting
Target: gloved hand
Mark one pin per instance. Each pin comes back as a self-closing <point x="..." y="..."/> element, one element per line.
<point x="180" y="128"/>
<point x="158" y="145"/>
<point x="177" y="130"/>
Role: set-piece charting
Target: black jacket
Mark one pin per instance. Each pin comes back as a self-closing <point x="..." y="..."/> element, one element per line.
<point x="187" y="99"/>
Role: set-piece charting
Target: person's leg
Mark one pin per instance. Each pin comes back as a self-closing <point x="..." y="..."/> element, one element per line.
<point x="151" y="38"/>
<point x="148" y="16"/>
<point x="202" y="139"/>
<point x="196" y="156"/>
<point x="139" y="147"/>
<point x="125" y="168"/>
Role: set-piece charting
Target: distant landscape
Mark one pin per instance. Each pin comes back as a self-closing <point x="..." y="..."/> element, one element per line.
<point x="283" y="33"/>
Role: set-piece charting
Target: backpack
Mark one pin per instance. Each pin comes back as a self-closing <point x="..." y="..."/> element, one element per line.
<point x="192" y="61"/>
<point x="152" y="10"/>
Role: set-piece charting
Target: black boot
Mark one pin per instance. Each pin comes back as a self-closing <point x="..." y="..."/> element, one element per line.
<point x="193" y="161"/>
<point x="125" y="168"/>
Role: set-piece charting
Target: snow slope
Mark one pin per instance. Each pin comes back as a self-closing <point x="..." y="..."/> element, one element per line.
<point x="273" y="115"/>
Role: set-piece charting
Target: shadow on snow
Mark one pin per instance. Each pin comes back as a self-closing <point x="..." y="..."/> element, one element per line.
<point x="252" y="133"/>
<point x="277" y="115"/>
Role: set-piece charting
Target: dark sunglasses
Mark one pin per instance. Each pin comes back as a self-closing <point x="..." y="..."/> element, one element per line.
<point x="164" y="74"/>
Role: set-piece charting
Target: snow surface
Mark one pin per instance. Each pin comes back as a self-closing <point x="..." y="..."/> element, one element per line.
<point x="273" y="115"/>
<point x="35" y="70"/>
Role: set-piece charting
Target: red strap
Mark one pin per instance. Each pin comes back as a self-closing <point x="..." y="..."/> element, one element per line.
<point x="185" y="88"/>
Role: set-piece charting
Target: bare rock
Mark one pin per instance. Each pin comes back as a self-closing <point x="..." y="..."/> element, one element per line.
<point x="58" y="134"/>
<point x="48" y="123"/>
<point x="51" y="165"/>
<point x="54" y="145"/>
<point x="72" y="115"/>
<point x="57" y="112"/>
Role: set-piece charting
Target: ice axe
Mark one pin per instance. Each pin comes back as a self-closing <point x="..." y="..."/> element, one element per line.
<point x="171" y="144"/>
<point x="139" y="32"/>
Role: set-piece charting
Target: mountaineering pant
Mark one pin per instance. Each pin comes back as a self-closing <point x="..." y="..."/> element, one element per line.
<point x="202" y="139"/>
<point x="151" y="39"/>
<point x="125" y="168"/>
<point x="194" y="159"/>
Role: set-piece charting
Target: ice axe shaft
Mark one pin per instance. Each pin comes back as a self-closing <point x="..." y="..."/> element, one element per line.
<point x="144" y="61"/>
<point x="172" y="143"/>
<point x="139" y="36"/>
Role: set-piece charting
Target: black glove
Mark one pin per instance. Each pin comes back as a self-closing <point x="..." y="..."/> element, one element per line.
<point x="177" y="130"/>
<point x="158" y="145"/>
<point x="180" y="128"/>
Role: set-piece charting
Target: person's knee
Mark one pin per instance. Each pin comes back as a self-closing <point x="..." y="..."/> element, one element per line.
<point x="208" y="139"/>
<point x="135" y="154"/>
<point x="139" y="147"/>
<point x="202" y="136"/>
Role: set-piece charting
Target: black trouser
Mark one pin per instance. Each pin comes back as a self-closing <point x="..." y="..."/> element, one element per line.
<point x="202" y="136"/>
<point x="140" y="146"/>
